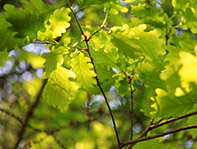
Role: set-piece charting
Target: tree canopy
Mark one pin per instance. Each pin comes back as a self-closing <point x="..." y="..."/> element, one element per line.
<point x="103" y="74"/>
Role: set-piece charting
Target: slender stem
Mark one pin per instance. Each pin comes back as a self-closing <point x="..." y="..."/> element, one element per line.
<point x="29" y="115"/>
<point x="172" y="120"/>
<point x="75" y="17"/>
<point x="106" y="101"/>
<point x="159" y="123"/>
<point x="129" y="79"/>
<point x="131" y="108"/>
<point x="100" y="28"/>
<point x="158" y="135"/>
<point x="97" y="79"/>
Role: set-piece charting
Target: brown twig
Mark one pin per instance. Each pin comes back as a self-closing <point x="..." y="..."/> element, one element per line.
<point x="129" y="79"/>
<point x="160" y="123"/>
<point x="29" y="115"/>
<point x="94" y="67"/>
<point x="106" y="101"/>
<point x="158" y="135"/>
<point x="58" y="142"/>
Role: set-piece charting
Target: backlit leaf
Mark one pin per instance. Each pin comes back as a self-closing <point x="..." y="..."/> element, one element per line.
<point x="57" y="24"/>
<point x="83" y="69"/>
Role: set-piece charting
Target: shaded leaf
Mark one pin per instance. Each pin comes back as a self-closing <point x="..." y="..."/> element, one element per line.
<point x="53" y="59"/>
<point x="59" y="90"/>
<point x="152" y="144"/>
<point x="24" y="22"/>
<point x="8" y="42"/>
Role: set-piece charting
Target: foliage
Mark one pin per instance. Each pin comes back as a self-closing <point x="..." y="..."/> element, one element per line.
<point x="139" y="67"/>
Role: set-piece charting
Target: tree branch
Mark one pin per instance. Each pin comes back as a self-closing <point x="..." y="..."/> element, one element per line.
<point x="29" y="115"/>
<point x="106" y="101"/>
<point x="97" y="79"/>
<point x="159" y="135"/>
<point x="159" y="123"/>
<point x="75" y="17"/>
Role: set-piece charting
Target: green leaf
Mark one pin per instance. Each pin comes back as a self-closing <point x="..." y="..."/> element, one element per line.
<point x="150" y="15"/>
<point x="57" y="24"/>
<point x="190" y="20"/>
<point x="37" y="6"/>
<point x="8" y="42"/>
<point x="147" y="71"/>
<point x="59" y="90"/>
<point x="122" y="85"/>
<point x="83" y="69"/>
<point x="133" y="41"/>
<point x="106" y="58"/>
<point x="24" y="22"/>
<point x="53" y="59"/>
<point x="105" y="75"/>
<point x="150" y="144"/>
<point x="171" y="105"/>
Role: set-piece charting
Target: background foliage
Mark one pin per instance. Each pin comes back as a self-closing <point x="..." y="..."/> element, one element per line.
<point x="143" y="50"/>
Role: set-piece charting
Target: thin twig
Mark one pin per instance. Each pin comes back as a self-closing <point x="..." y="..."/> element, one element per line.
<point x="129" y="79"/>
<point x="159" y="123"/>
<point x="75" y="17"/>
<point x="97" y="79"/>
<point x="172" y="120"/>
<point x="106" y="101"/>
<point x="100" y="28"/>
<point x="29" y="115"/>
<point x="58" y="142"/>
<point x="158" y="135"/>
<point x="131" y="108"/>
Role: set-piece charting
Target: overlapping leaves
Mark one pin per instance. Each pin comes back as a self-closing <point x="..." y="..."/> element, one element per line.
<point x="57" y="24"/>
<point x="8" y="42"/>
<point x="27" y="22"/>
<point x="181" y="95"/>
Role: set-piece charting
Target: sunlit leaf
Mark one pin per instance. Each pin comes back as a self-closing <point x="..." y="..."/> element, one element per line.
<point x="57" y="24"/>
<point x="83" y="69"/>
